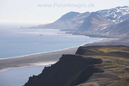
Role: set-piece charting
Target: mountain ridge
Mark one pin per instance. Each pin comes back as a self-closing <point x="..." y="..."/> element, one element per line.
<point x="93" y="21"/>
<point x="75" y="23"/>
<point x="68" y="21"/>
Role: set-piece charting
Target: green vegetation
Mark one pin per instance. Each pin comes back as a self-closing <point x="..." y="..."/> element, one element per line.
<point x="90" y="66"/>
<point x="115" y="63"/>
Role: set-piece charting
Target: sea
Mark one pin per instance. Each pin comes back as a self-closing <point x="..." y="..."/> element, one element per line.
<point x="20" y="40"/>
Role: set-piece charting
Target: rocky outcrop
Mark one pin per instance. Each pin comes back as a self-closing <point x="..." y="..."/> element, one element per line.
<point x="85" y="68"/>
<point x="70" y="70"/>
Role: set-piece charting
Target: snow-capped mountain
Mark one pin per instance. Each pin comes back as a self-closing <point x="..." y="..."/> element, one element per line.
<point x="93" y="25"/>
<point x="115" y="13"/>
<point x="107" y="23"/>
<point x="99" y="23"/>
<point x="121" y="29"/>
<point x="94" y="22"/>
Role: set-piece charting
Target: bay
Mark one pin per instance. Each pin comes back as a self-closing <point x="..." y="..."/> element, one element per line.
<point x="16" y="41"/>
<point x="24" y="41"/>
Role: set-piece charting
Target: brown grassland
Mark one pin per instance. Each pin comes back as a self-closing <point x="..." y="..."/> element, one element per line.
<point x="115" y="65"/>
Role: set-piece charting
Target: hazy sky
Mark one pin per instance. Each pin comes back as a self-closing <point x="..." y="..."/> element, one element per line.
<point x="46" y="11"/>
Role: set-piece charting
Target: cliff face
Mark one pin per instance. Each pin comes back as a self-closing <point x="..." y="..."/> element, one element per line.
<point x="85" y="68"/>
<point x="70" y="70"/>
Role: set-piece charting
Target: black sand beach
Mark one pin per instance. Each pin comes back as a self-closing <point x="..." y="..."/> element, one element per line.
<point x="35" y="59"/>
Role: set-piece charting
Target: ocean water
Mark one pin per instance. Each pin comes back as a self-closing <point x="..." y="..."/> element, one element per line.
<point x="18" y="76"/>
<point x="19" y="41"/>
<point x="16" y="41"/>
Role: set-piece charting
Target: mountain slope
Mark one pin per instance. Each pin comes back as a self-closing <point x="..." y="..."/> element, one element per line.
<point x="106" y="23"/>
<point x="115" y="13"/>
<point x="69" y="20"/>
<point x="120" y="30"/>
<point x="93" y="24"/>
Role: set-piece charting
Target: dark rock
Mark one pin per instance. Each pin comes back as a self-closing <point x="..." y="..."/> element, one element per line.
<point x="70" y="70"/>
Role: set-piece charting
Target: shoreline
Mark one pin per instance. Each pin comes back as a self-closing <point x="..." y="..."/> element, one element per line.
<point x="35" y="65"/>
<point x="35" y="59"/>
<point x="38" y="59"/>
<point x="41" y="52"/>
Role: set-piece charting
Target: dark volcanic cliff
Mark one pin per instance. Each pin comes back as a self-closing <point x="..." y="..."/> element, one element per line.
<point x="70" y="70"/>
<point x="90" y="66"/>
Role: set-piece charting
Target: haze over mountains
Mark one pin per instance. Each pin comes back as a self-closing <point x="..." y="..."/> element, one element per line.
<point x="69" y="21"/>
<point x="102" y="23"/>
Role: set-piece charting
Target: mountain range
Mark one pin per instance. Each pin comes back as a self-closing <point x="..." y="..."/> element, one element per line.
<point x="102" y="23"/>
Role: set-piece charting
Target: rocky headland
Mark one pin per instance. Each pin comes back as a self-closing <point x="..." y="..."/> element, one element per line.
<point x="89" y="66"/>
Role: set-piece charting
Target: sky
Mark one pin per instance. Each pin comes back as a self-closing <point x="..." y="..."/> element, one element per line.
<point x="47" y="11"/>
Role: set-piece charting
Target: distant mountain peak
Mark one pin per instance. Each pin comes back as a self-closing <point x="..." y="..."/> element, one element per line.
<point x="93" y="22"/>
<point x="69" y="15"/>
<point x="120" y="12"/>
<point x="120" y="7"/>
<point x="94" y="14"/>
